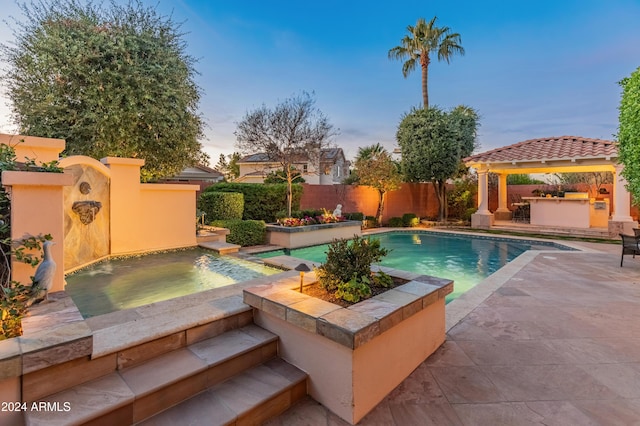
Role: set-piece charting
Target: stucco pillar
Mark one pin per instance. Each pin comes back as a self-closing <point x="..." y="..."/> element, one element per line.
<point x="37" y="208"/>
<point x="621" y="220"/>
<point x="126" y="207"/>
<point x="483" y="217"/>
<point x="503" y="212"/>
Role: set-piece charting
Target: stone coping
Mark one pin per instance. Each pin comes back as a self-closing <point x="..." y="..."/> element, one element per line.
<point x="357" y="324"/>
<point x="310" y="228"/>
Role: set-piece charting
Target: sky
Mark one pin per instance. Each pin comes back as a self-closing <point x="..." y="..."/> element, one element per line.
<point x="532" y="69"/>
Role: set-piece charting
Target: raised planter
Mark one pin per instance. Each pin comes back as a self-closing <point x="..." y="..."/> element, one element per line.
<point x="354" y="356"/>
<point x="302" y="236"/>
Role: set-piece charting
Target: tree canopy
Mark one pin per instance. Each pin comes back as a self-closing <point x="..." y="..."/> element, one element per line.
<point x="375" y="168"/>
<point x="433" y="143"/>
<point x="293" y="130"/>
<point x="629" y="132"/>
<point x="111" y="81"/>
<point x="417" y="46"/>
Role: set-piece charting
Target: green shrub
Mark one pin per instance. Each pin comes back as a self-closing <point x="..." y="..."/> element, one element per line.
<point x="359" y="216"/>
<point x="311" y="213"/>
<point x="244" y="232"/>
<point x="221" y="205"/>
<point x="261" y="201"/>
<point x="410" y="220"/>
<point x="395" y="222"/>
<point x="347" y="270"/>
<point x="370" y="222"/>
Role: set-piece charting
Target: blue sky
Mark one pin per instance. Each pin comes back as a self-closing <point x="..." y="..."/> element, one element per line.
<point x="531" y="69"/>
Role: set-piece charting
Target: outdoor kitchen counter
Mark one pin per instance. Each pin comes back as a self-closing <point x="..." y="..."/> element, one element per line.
<point x="568" y="212"/>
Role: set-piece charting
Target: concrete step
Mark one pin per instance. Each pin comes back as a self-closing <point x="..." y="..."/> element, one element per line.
<point x="251" y="397"/>
<point x="133" y="394"/>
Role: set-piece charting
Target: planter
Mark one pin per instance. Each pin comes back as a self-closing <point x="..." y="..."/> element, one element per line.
<point x="303" y="236"/>
<point x="354" y="356"/>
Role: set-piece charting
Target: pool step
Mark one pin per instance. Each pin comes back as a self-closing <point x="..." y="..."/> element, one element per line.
<point x="133" y="394"/>
<point x="220" y="247"/>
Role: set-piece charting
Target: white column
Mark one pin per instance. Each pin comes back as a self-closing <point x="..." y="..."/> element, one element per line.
<point x="621" y="197"/>
<point x="502" y="194"/>
<point x="483" y="192"/>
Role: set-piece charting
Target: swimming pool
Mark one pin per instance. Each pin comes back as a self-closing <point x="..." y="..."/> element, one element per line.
<point x="128" y="283"/>
<point x="466" y="259"/>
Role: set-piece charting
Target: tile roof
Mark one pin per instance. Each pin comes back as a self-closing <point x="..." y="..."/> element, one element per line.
<point x="562" y="147"/>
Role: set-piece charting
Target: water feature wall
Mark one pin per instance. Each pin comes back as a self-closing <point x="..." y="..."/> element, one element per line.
<point x="95" y="208"/>
<point x="86" y="211"/>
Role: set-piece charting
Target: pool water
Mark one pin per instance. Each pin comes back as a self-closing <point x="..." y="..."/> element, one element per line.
<point x="128" y="283"/>
<point x="465" y="259"/>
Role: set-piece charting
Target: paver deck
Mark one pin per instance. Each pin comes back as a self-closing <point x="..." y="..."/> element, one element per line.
<point x="557" y="343"/>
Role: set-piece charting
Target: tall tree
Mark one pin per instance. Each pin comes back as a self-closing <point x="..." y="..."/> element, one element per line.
<point x="433" y="143"/>
<point x="111" y="80"/>
<point x="629" y="132"/>
<point x="376" y="168"/>
<point x="287" y="133"/>
<point x="230" y="169"/>
<point x="417" y="46"/>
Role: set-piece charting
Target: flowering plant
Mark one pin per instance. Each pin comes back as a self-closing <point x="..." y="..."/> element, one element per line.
<point x="325" y="217"/>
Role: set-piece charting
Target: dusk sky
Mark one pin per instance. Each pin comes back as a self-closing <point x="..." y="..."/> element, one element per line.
<point x="531" y="69"/>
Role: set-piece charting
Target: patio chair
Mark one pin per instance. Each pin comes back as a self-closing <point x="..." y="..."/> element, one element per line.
<point x="629" y="246"/>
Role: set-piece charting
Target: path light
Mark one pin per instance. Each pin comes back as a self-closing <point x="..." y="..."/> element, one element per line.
<point x="302" y="268"/>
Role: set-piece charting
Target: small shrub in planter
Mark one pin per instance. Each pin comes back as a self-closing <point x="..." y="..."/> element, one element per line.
<point x="347" y="270"/>
<point x="395" y="222"/>
<point x="410" y="220"/>
<point x="359" y="216"/>
<point x="370" y="222"/>
<point x="244" y="232"/>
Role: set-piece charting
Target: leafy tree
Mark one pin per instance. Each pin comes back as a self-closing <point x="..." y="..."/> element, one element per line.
<point x="292" y="130"/>
<point x="230" y="169"/>
<point x="433" y="143"/>
<point x="416" y="47"/>
<point x="375" y="168"/>
<point x="111" y="81"/>
<point x="629" y="132"/>
<point x="279" y="176"/>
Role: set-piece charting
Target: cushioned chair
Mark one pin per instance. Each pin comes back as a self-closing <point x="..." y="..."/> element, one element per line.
<point x="629" y="246"/>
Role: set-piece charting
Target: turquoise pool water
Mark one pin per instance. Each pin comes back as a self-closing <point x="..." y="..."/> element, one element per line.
<point x="466" y="259"/>
<point x="128" y="283"/>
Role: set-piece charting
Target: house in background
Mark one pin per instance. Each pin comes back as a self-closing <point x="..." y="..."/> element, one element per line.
<point x="197" y="175"/>
<point x="333" y="168"/>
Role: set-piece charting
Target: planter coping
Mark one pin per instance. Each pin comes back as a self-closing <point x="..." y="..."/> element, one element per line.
<point x="357" y="324"/>
<point x="310" y="228"/>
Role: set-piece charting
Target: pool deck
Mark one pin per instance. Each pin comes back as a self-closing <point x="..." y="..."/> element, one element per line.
<point x="552" y="339"/>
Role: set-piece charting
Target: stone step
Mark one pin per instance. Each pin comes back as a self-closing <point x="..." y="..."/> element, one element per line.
<point x="251" y="397"/>
<point x="220" y="247"/>
<point x="136" y="393"/>
<point x="37" y="385"/>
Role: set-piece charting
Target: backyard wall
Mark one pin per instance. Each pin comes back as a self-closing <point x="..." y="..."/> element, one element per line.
<point x="418" y="198"/>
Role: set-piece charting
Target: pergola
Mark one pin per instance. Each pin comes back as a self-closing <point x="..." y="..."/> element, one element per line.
<point x="565" y="154"/>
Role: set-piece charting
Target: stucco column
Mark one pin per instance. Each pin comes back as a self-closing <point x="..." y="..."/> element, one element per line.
<point x="503" y="212"/>
<point x="127" y="213"/>
<point x="483" y="192"/>
<point x="621" y="220"/>
<point x="483" y="218"/>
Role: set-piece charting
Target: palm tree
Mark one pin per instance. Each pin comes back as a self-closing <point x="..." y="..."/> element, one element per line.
<point x="424" y="39"/>
<point x="365" y="153"/>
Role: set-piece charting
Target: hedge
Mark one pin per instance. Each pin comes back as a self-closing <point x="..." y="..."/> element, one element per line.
<point x="261" y="201"/>
<point x="243" y="232"/>
<point x="410" y="220"/>
<point x="221" y="205"/>
<point x="395" y="222"/>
